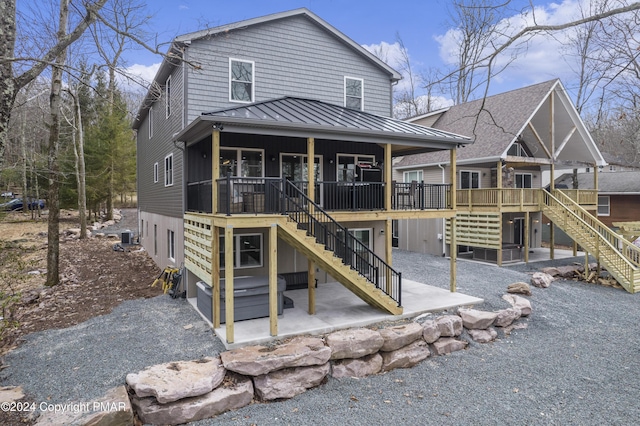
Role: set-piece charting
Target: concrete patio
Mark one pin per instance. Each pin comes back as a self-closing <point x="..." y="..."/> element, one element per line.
<point x="337" y="308"/>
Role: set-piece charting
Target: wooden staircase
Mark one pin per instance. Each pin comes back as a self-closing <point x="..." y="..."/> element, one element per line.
<point x="344" y="274"/>
<point x="615" y="253"/>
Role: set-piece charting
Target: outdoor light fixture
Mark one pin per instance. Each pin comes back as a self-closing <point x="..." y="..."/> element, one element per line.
<point x="330" y="160"/>
<point x="272" y="158"/>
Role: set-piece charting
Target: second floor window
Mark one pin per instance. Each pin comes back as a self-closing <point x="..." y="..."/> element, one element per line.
<point x="353" y="93"/>
<point x="168" y="170"/>
<point x="241" y="84"/>
<point x="150" y="118"/>
<point x="155" y="172"/>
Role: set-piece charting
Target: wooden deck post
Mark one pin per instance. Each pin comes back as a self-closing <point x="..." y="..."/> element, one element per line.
<point x="311" y="191"/>
<point x="215" y="275"/>
<point x="453" y="247"/>
<point x="499" y="185"/>
<point x="311" y="285"/>
<point x="388" y="248"/>
<point x="215" y="169"/>
<point x="586" y="265"/>
<point x="387" y="177"/>
<point x="273" y="279"/>
<point x="228" y="281"/>
<point x="552" y="184"/>
<point x="526" y="237"/>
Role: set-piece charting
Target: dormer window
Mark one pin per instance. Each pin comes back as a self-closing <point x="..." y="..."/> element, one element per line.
<point x="241" y="80"/>
<point x="518" y="150"/>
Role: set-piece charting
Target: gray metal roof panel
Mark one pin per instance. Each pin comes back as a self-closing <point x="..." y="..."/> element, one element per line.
<point x="313" y="112"/>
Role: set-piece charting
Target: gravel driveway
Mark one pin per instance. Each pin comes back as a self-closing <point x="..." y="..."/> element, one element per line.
<point x="576" y="363"/>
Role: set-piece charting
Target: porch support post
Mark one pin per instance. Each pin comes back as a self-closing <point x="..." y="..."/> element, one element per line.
<point x="500" y="223"/>
<point x="552" y="184"/>
<point x="388" y="247"/>
<point x="499" y="184"/>
<point x="228" y="281"/>
<point x="552" y="242"/>
<point x="215" y="275"/>
<point x="453" y="247"/>
<point x="311" y="285"/>
<point x="387" y="178"/>
<point x="527" y="229"/>
<point x="273" y="279"/>
<point x="586" y="265"/>
<point x="595" y="177"/>
<point x="575" y="248"/>
<point x="311" y="176"/>
<point x="215" y="169"/>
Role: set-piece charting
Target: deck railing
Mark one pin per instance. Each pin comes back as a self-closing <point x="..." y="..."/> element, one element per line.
<point x="516" y="197"/>
<point x="252" y="195"/>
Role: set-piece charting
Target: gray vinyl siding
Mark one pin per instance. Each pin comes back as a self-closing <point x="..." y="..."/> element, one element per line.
<point x="155" y="197"/>
<point x="292" y="57"/>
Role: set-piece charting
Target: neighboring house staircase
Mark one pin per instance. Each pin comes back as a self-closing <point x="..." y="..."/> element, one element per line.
<point x="615" y="253"/>
<point x="327" y="243"/>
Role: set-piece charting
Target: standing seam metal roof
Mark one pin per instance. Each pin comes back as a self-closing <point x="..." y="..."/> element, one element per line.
<point x="313" y="112"/>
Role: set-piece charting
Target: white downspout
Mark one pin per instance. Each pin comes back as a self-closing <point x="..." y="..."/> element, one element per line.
<point x="444" y="221"/>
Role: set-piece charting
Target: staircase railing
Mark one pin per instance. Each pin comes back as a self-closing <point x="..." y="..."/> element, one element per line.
<point x="626" y="248"/>
<point x="336" y="238"/>
<point x="592" y="238"/>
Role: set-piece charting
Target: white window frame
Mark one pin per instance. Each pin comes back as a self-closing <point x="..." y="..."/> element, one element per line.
<point x="237" y="253"/>
<point x="150" y="119"/>
<point x="167" y="95"/>
<point x="168" y="170"/>
<point x="515" y="179"/>
<point x="361" y="91"/>
<point x="171" y="245"/>
<point x="155" y="172"/>
<point x="407" y="179"/>
<point x="239" y="159"/>
<point x="253" y="80"/>
<point x="470" y="179"/>
<point x="607" y="205"/>
<point x="357" y="159"/>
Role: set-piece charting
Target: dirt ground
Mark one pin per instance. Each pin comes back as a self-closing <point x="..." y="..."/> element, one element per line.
<point x="94" y="277"/>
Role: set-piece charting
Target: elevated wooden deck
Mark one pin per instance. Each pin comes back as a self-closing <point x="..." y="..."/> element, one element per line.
<point x="507" y="200"/>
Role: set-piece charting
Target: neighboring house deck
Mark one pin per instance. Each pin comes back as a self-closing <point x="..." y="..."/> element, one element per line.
<point x="500" y="200"/>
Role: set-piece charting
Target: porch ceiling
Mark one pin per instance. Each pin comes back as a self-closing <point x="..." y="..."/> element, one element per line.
<point x="304" y="118"/>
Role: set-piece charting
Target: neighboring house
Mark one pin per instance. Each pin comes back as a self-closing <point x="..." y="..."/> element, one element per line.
<point x="224" y="147"/>
<point x="618" y="194"/>
<point x="517" y="135"/>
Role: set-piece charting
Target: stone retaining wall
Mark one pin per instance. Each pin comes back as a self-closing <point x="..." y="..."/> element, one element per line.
<point x="181" y="392"/>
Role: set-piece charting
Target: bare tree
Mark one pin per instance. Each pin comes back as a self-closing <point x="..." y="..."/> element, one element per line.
<point x="10" y="82"/>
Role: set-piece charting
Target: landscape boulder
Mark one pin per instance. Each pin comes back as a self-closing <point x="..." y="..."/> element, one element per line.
<point x="289" y="382"/>
<point x="475" y="319"/>
<point x="541" y="280"/>
<point x="519" y="288"/>
<point x="506" y="317"/>
<point x="236" y="392"/>
<point x="430" y="331"/>
<point x="483" y="336"/>
<point x="446" y="345"/>
<point x="449" y="325"/>
<point x="400" y="335"/>
<point x="177" y="380"/>
<point x="113" y="409"/>
<point x="519" y="303"/>
<point x="259" y="360"/>
<point x="354" y="343"/>
<point x="551" y="270"/>
<point x="568" y="271"/>
<point x="405" y="357"/>
<point x="357" y="367"/>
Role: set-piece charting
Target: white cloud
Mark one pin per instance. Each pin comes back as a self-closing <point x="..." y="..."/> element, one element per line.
<point x="136" y="78"/>
<point x="542" y="57"/>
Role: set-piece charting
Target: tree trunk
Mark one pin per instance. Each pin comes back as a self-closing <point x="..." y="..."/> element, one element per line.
<point x="53" y="229"/>
<point x="7" y="83"/>
<point x="23" y="153"/>
<point x="78" y="149"/>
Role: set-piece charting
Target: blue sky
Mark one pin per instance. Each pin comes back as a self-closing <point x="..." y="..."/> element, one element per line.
<point x="422" y="24"/>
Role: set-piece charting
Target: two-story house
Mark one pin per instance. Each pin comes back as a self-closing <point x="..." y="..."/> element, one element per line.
<point x="500" y="199"/>
<point x="264" y="149"/>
